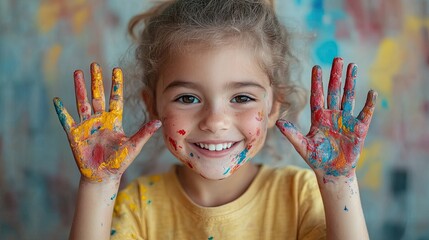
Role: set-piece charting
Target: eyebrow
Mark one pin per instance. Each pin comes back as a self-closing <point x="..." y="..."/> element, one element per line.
<point x="180" y="83"/>
<point x="235" y="85"/>
<point x="232" y="85"/>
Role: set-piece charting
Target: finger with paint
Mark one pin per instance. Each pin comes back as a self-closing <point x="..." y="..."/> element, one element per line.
<point x="348" y="101"/>
<point x="65" y="119"/>
<point x="334" y="87"/>
<point x="97" y="89"/>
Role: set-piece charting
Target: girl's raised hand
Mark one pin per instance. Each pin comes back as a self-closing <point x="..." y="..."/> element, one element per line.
<point x="335" y="140"/>
<point x="99" y="145"/>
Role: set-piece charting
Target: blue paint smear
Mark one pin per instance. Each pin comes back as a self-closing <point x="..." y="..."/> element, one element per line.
<point x="354" y="73"/>
<point x="290" y="126"/>
<point x="325" y="150"/>
<point x="191" y="154"/>
<point x="113" y="197"/>
<point x="349" y="122"/>
<point x="242" y="156"/>
<point x="332" y="172"/>
<point x="94" y="130"/>
<point x="347" y="106"/>
<point x="227" y="171"/>
<point x="315" y="19"/>
<point x="384" y="103"/>
<point x="326" y="51"/>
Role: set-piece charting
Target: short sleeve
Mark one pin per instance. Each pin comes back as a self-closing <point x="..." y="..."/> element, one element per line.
<point x="312" y="215"/>
<point x="127" y="220"/>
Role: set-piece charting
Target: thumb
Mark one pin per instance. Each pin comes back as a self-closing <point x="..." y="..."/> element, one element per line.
<point x="295" y="137"/>
<point x="139" y="139"/>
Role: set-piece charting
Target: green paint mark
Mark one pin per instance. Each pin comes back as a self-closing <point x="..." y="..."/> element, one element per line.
<point x="113" y="197"/>
<point x="149" y="201"/>
<point x="112" y="232"/>
<point x="210" y="238"/>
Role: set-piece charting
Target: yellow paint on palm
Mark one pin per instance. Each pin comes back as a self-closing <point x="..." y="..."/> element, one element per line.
<point x="106" y="120"/>
<point x="340" y="123"/>
<point x="116" y="161"/>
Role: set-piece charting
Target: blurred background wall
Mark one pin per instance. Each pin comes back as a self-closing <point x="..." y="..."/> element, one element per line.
<point x="43" y="41"/>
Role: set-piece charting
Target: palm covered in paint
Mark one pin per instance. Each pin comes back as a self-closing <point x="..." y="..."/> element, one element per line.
<point x="98" y="143"/>
<point x="335" y="140"/>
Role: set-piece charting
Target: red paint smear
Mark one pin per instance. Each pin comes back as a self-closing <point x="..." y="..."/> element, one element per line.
<point x="84" y="108"/>
<point x="249" y="147"/>
<point x="189" y="165"/>
<point x="181" y="132"/>
<point x="173" y="143"/>
<point x="258" y="132"/>
<point x="98" y="154"/>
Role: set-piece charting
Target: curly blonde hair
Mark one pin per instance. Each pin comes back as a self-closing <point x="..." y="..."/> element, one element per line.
<point x="171" y="26"/>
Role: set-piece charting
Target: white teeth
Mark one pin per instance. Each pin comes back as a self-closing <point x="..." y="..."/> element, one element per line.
<point x="215" y="147"/>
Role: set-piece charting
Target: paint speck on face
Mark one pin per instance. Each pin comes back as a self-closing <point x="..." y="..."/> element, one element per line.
<point x="346" y="209"/>
<point x="189" y="165"/>
<point x="191" y="154"/>
<point x="181" y="132"/>
<point x="260" y="116"/>
<point x="113" y="197"/>
<point x="210" y="238"/>
<point x="112" y="232"/>
<point x="149" y="202"/>
<point x="173" y="143"/>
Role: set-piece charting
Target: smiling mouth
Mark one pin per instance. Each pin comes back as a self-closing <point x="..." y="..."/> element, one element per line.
<point x="215" y="147"/>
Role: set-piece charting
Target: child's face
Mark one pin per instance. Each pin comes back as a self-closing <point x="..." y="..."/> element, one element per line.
<point x="215" y="107"/>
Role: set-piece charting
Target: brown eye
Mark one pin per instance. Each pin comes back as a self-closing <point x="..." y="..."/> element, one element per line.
<point x="188" y="99"/>
<point x="242" y="99"/>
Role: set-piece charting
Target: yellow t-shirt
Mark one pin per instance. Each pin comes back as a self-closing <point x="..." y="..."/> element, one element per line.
<point x="280" y="203"/>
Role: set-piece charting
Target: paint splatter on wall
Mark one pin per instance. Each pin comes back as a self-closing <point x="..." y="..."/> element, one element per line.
<point x="43" y="42"/>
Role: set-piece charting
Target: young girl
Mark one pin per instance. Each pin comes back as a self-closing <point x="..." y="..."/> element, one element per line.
<point x="215" y="76"/>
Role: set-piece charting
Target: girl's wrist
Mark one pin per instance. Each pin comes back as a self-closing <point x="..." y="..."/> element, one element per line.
<point x="338" y="185"/>
<point x="109" y="181"/>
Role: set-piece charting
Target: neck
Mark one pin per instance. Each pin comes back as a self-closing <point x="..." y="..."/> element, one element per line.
<point x="212" y="193"/>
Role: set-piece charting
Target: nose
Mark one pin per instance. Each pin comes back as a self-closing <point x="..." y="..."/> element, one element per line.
<point x="214" y="119"/>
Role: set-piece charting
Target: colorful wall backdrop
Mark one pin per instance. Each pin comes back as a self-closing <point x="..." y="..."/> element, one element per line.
<point x="43" y="41"/>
